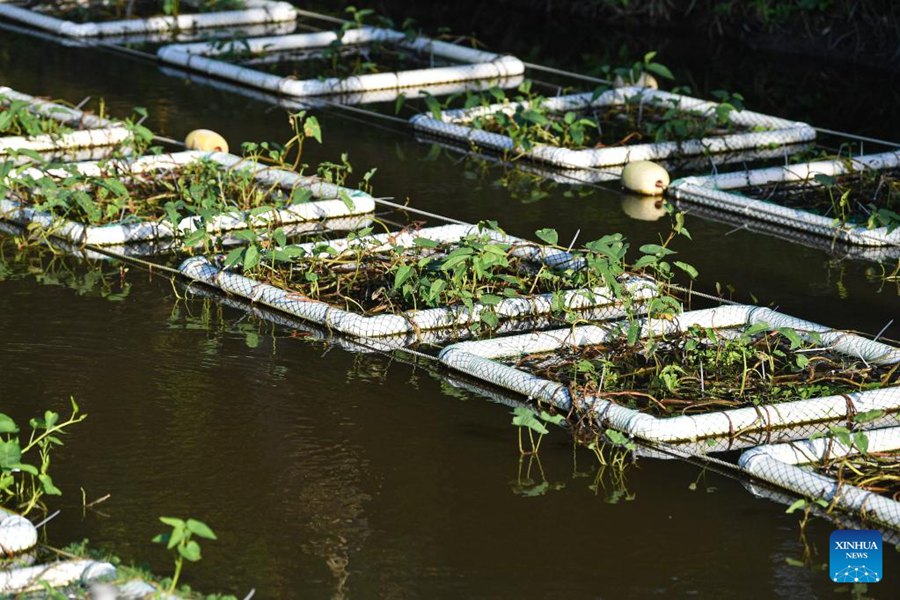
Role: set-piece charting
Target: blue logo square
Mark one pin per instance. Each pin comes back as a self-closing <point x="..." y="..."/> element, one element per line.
<point x="855" y="556"/>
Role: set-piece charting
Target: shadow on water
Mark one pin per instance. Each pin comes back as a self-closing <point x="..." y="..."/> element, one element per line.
<point x="327" y="472"/>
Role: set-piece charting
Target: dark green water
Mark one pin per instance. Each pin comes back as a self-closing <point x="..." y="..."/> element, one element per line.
<point x="328" y="473"/>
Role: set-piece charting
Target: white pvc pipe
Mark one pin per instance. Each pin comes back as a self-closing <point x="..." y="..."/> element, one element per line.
<point x="714" y="191"/>
<point x="255" y="11"/>
<point x="777" y="464"/>
<point x="32" y="579"/>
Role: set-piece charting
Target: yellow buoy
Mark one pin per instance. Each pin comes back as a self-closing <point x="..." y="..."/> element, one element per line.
<point x="645" y="177"/>
<point x="206" y="140"/>
<point x="642" y="208"/>
<point x="645" y="80"/>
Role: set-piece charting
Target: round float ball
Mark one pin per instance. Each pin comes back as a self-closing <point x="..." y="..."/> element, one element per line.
<point x="17" y="534"/>
<point x="645" y="80"/>
<point x="643" y="208"/>
<point x="645" y="177"/>
<point x="205" y="140"/>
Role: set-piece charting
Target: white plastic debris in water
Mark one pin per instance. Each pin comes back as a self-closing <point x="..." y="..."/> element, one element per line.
<point x="89" y="130"/>
<point x="213" y="58"/>
<point x="598" y="303"/>
<point x="792" y="466"/>
<point x="57" y="574"/>
<point x="331" y="201"/>
<point x="481" y="359"/>
<point x="254" y="12"/>
<point x="17" y="534"/>
<point x="728" y="192"/>
<point x="762" y="131"/>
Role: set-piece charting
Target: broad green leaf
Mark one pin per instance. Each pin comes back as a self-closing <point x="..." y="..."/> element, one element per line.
<point x="50" y="419"/>
<point x="172" y="521"/>
<point x="656" y="250"/>
<point x="251" y="257"/>
<point x="234" y="257"/>
<point x="616" y="437"/>
<point x="10" y="454"/>
<point x="490" y="299"/>
<point x="421" y="242"/>
<point x="201" y="529"/>
<point x="7" y="425"/>
<point x="47" y="484"/>
<point x="868" y="416"/>
<point x="434" y="106"/>
<point x="658" y="69"/>
<point x="312" y="129"/>
<point x="792" y="336"/>
<point x="547" y="235"/>
<point x="689" y="269"/>
<point x="190" y="551"/>
<point x="797" y="505"/>
<point x="402" y="274"/>
<point x="524" y="417"/>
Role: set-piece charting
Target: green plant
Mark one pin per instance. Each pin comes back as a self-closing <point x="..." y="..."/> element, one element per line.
<point x="181" y="540"/>
<point x="114" y="194"/>
<point x="372" y="276"/>
<point x="534" y="423"/>
<point x="528" y="120"/>
<point x="702" y="369"/>
<point x="24" y="483"/>
<point x="17" y="117"/>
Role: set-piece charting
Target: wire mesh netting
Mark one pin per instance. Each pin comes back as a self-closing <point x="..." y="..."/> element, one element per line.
<point x="250" y="62"/>
<point x="766" y="194"/>
<point x="745" y="129"/>
<point x="860" y="477"/>
<point x="71" y="128"/>
<point x="519" y="311"/>
<point x="704" y="412"/>
<point x="190" y="17"/>
<point x="326" y="200"/>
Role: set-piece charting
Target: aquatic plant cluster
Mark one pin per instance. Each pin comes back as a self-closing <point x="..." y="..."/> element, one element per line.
<point x="705" y="369"/>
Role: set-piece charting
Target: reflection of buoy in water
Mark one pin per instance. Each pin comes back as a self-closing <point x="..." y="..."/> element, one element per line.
<point x="206" y="140"/>
<point x="643" y="208"/>
<point x="644" y="80"/>
<point x="645" y="177"/>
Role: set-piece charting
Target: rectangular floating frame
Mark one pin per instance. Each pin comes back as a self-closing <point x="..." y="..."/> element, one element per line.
<point x="327" y="206"/>
<point x="768" y="131"/>
<point x="206" y="58"/>
<point x="255" y="12"/>
<point x="791" y="466"/>
<point x="480" y="359"/>
<point x="722" y="192"/>
<point x="416" y="325"/>
<point x="90" y="130"/>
